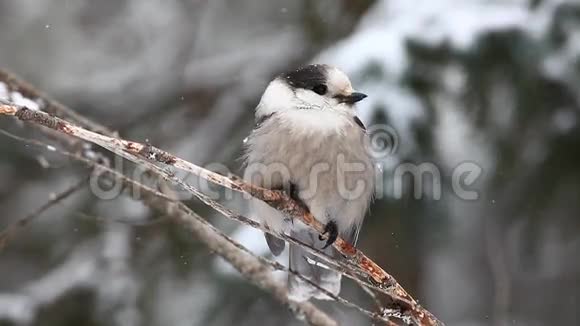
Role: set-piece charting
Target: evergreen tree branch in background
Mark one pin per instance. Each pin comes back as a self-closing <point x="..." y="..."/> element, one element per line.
<point x="145" y="155"/>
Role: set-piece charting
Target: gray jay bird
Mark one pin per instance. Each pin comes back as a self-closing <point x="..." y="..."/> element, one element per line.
<point x="309" y="142"/>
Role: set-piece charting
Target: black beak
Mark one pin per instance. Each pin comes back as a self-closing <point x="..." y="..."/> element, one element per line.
<point x="354" y="97"/>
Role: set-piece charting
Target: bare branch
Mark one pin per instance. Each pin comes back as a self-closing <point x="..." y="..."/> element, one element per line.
<point x="10" y="231"/>
<point x="52" y="107"/>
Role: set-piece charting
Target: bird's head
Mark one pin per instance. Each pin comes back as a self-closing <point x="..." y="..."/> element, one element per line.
<point x="316" y="87"/>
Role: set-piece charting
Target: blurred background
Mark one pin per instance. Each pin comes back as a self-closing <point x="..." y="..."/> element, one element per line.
<point x="493" y="83"/>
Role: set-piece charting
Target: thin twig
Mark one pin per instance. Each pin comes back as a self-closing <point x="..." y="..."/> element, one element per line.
<point x="10" y="231"/>
<point x="147" y="223"/>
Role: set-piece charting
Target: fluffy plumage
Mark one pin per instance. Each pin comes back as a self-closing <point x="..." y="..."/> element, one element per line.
<point x="309" y="141"/>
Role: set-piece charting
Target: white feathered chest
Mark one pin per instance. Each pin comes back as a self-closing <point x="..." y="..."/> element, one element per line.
<point x="320" y="152"/>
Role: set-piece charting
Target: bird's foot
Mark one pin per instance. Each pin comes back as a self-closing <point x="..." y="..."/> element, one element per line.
<point x="330" y="233"/>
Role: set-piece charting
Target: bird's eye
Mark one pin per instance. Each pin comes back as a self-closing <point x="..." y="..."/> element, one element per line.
<point x="320" y="89"/>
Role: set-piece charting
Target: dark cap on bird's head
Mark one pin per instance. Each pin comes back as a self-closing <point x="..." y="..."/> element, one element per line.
<point x="323" y="80"/>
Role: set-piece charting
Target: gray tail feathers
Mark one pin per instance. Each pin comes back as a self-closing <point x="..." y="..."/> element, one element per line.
<point x="311" y="268"/>
<point x="275" y="244"/>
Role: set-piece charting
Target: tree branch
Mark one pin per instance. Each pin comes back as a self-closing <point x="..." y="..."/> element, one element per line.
<point x="11" y="230"/>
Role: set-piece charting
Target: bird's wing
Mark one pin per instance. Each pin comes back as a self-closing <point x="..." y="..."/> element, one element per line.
<point x="359" y="123"/>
